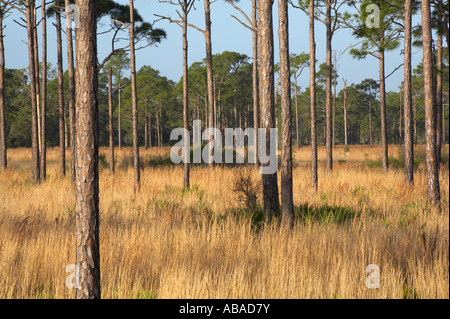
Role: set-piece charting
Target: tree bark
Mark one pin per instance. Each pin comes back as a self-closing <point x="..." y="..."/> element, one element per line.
<point x="62" y="119"/>
<point x="296" y="113"/>
<point x="37" y="77"/>
<point x="266" y="76"/>
<point x="434" y="195"/>
<point x="209" y="76"/>
<point x="3" y="147"/>
<point x="439" y="113"/>
<point x="111" y="123"/>
<point x="384" y="137"/>
<point x="328" y="106"/>
<point x="370" y="124"/>
<point x="34" y="117"/>
<point x="87" y="192"/>
<point x="345" y="114"/>
<point x="407" y="96"/>
<point x="312" y="81"/>
<point x="119" y="106"/>
<point x="43" y="152"/>
<point x="146" y="129"/>
<point x="287" y="201"/>
<point x="71" y="74"/>
<point x="185" y="90"/>
<point x="137" y="177"/>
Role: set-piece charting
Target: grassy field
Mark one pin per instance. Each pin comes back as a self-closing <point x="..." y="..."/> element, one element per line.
<point x="169" y="242"/>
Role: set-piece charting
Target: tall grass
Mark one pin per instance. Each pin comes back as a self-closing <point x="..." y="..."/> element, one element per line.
<point x="169" y="242"/>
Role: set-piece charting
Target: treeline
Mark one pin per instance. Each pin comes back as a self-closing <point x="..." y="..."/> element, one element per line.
<point x="160" y="104"/>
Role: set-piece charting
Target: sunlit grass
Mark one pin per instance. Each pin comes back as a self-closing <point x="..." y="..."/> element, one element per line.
<point x="168" y="242"/>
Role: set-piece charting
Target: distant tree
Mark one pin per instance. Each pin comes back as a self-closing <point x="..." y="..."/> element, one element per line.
<point x="378" y="36"/>
<point x="118" y="63"/>
<point x="185" y="6"/>
<point x="298" y="64"/>
<point x="370" y="88"/>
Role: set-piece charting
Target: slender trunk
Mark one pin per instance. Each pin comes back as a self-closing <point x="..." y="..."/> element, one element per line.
<point x="34" y="116"/>
<point x="266" y="76"/>
<point x="345" y="114"/>
<point x="328" y="106"/>
<point x="312" y="85"/>
<point x="209" y="76"/>
<point x="400" y="118"/>
<point x="185" y="93"/>
<point x="276" y="102"/>
<point x="158" y="138"/>
<point x="160" y="128"/>
<point x="296" y="113"/>
<point x="370" y="124"/>
<point x="137" y="177"/>
<point x="111" y="127"/>
<point x="66" y="131"/>
<point x="146" y="129"/>
<point x="333" y="131"/>
<point x="3" y="148"/>
<point x="71" y="74"/>
<point x="62" y="120"/>
<point x="439" y="114"/>
<point x="150" y="130"/>
<point x="118" y="116"/>
<point x="287" y="202"/>
<point x="255" y="77"/>
<point x="37" y="77"/>
<point x="408" y="112"/>
<point x="415" y="120"/>
<point x="384" y="137"/>
<point x="434" y="195"/>
<point x="87" y="192"/>
<point x="235" y="108"/>
<point x="43" y="152"/>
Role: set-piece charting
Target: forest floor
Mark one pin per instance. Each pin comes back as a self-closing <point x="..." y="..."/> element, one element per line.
<point x="209" y="242"/>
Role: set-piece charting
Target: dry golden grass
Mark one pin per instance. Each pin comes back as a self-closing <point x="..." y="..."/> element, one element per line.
<point x="167" y="242"/>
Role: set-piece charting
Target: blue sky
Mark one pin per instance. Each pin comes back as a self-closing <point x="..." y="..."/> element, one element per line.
<point x="227" y="34"/>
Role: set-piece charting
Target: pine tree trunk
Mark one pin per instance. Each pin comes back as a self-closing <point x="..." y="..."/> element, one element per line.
<point x="439" y="114"/>
<point x="62" y="119"/>
<point x="328" y="106"/>
<point x="37" y="77"/>
<point x="150" y="130"/>
<point x="255" y="77"/>
<point x="312" y="81"/>
<point x="370" y="124"/>
<point x="296" y="113"/>
<point x="209" y="76"/>
<point x="185" y="91"/>
<point x="34" y="115"/>
<point x="407" y="93"/>
<point x="434" y="195"/>
<point x="119" y="128"/>
<point x="345" y="114"/>
<point x="146" y="129"/>
<point x="87" y="192"/>
<point x="384" y="137"/>
<point x="71" y="74"/>
<point x="287" y="202"/>
<point x="111" y="123"/>
<point x="3" y="147"/>
<point x="137" y="177"/>
<point x="43" y="152"/>
<point x="266" y="76"/>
